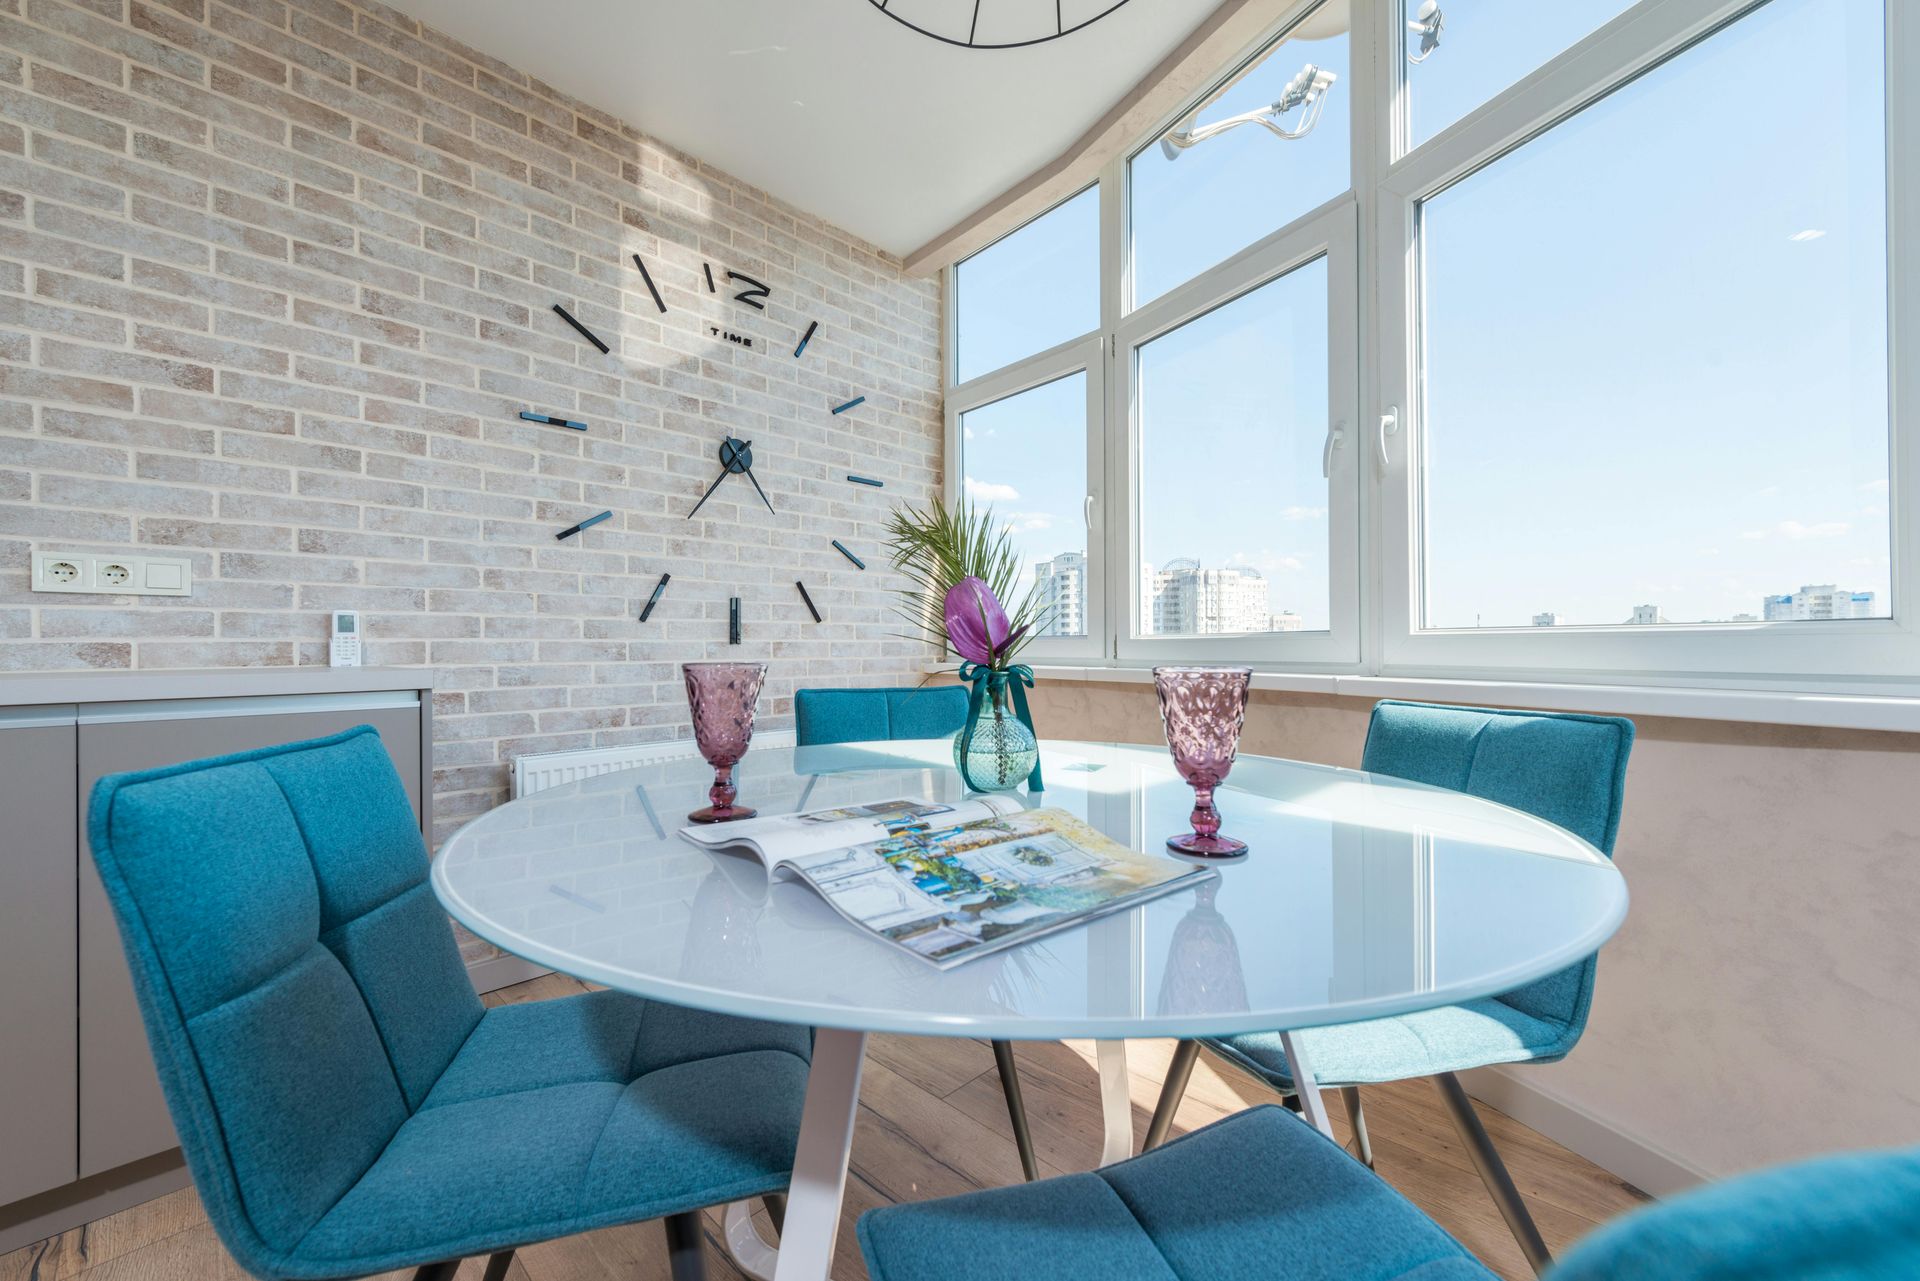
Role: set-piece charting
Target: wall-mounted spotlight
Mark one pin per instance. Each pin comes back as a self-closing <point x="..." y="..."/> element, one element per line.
<point x="1428" y="21"/>
<point x="1306" y="92"/>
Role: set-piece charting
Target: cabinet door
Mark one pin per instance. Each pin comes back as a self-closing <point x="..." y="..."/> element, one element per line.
<point x="39" y="1050"/>
<point x="123" y="1116"/>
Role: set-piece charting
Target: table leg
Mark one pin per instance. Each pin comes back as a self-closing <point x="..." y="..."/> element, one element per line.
<point x="749" y="1251"/>
<point x="1116" y="1104"/>
<point x="820" y="1161"/>
<point x="1311" y="1105"/>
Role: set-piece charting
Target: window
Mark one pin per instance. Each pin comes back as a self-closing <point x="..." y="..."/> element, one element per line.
<point x="1193" y="206"/>
<point x="1029" y="291"/>
<point x="1632" y="288"/>
<point x="1480" y="47"/>
<point x="1700" y="428"/>
<point x="1026" y="458"/>
<point x="1233" y="508"/>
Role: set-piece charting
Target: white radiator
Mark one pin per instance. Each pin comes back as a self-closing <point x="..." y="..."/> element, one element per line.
<point x="538" y="771"/>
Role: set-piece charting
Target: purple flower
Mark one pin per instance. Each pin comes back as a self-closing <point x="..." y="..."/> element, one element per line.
<point x="977" y="625"/>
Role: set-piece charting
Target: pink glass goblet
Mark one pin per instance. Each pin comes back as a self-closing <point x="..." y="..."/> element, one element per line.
<point x="1203" y="709"/>
<point x="722" y="696"/>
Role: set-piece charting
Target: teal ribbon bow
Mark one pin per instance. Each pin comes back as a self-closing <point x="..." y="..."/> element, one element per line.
<point x="987" y="681"/>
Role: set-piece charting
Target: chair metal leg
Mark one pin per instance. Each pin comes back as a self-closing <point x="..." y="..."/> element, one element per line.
<point x="1357" y="1118"/>
<point x="1493" y="1172"/>
<point x="776" y="1203"/>
<point x="686" y="1257"/>
<point x="497" y="1265"/>
<point x="1016" y="1109"/>
<point x="1171" y="1092"/>
<point x="437" y="1271"/>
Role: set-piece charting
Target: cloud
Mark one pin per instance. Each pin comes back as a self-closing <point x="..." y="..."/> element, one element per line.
<point x="1874" y="487"/>
<point x="986" y="491"/>
<point x="1793" y="529"/>
<point x="1753" y="535"/>
<point x="1302" y="513"/>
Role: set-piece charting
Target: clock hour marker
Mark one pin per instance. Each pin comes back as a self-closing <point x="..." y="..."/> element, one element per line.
<point x="842" y="549"/>
<point x="551" y="421"/>
<point x="857" y="400"/>
<point x="733" y="620"/>
<point x="651" y="287"/>
<point x="811" y="607"/>
<point x="708" y="268"/>
<point x="588" y="523"/>
<point x="585" y="333"/>
<point x="867" y="480"/>
<point x="752" y="295"/>
<point x="654" y="599"/>
<point x="806" y="338"/>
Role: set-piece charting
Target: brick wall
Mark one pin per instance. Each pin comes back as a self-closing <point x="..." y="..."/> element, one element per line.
<point x="275" y="280"/>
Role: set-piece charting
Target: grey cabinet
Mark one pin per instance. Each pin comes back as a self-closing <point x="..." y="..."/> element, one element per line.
<point x="82" y="1121"/>
<point x="39" y="1045"/>
<point x="122" y="1114"/>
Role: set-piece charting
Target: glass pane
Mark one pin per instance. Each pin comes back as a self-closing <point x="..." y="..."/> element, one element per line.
<point x="1026" y="458"/>
<point x="1193" y="206"/>
<point x="1233" y="509"/>
<point x="1655" y="349"/>
<point x="1030" y="290"/>
<point x="1484" y="46"/>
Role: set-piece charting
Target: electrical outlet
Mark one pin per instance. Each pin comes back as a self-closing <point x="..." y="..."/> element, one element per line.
<point x="113" y="575"/>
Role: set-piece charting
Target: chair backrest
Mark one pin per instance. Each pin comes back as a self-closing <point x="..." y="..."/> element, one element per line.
<point x="300" y="985"/>
<point x="873" y="715"/>
<point x="1568" y="769"/>
<point x="1854" y="1217"/>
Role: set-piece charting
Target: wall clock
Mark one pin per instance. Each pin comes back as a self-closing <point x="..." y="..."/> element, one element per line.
<point x="736" y="455"/>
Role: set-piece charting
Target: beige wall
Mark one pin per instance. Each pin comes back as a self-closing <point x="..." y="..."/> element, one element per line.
<point x="1762" y="1001"/>
<point x="275" y="281"/>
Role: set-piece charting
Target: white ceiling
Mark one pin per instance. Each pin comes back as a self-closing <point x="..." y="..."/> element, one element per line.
<point x="829" y="104"/>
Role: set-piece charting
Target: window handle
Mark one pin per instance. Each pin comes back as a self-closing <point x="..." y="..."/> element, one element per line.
<point x="1086" y="512"/>
<point x="1389" y="425"/>
<point x="1336" y="437"/>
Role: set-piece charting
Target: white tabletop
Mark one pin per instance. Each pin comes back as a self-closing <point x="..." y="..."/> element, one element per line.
<point x="1361" y="896"/>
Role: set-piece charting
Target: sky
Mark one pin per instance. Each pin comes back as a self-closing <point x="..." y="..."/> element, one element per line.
<point x="1654" y="351"/>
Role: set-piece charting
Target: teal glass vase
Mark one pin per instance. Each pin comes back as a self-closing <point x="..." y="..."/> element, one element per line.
<point x="1003" y="751"/>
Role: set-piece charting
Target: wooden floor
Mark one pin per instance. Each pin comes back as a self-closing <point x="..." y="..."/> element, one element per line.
<point x="932" y="1123"/>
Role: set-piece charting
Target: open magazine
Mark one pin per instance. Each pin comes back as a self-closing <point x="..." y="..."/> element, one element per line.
<point x="952" y="882"/>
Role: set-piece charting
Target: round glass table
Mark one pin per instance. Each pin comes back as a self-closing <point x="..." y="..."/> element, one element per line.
<point x="1361" y="896"/>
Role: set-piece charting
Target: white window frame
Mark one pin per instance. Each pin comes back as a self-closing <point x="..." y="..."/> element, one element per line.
<point x="1373" y="300"/>
<point x="1330" y="232"/>
<point x="1085" y="354"/>
<point x="1636" y="41"/>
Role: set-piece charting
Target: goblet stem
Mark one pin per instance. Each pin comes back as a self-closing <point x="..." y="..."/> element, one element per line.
<point x="723" y="791"/>
<point x="1206" y="819"/>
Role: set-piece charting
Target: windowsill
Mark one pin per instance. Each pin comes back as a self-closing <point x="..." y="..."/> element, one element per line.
<point x="1899" y="713"/>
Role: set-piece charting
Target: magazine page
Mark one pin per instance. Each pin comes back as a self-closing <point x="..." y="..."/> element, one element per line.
<point x="781" y="838"/>
<point x="951" y="893"/>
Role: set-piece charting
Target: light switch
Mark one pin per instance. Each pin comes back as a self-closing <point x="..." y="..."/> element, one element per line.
<point x="162" y="577"/>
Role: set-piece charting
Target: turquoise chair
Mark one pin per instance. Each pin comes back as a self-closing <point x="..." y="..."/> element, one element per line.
<point x="345" y="1104"/>
<point x="1262" y="1196"/>
<point x="876" y="715"/>
<point x="1568" y="769"/>
<point x="915" y="711"/>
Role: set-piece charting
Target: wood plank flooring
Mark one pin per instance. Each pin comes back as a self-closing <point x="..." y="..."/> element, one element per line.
<point x="932" y="1123"/>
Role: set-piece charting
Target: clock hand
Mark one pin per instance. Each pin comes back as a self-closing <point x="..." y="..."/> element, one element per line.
<point x="761" y="492"/>
<point x="709" y="494"/>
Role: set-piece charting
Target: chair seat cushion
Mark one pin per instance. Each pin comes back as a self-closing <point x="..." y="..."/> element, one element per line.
<point x="561" y="1116"/>
<point x="1259" y="1196"/>
<point x="1451" y="1038"/>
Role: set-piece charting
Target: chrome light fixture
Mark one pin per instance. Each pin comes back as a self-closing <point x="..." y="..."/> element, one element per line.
<point x="1306" y="92"/>
<point x="1428" y="21"/>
